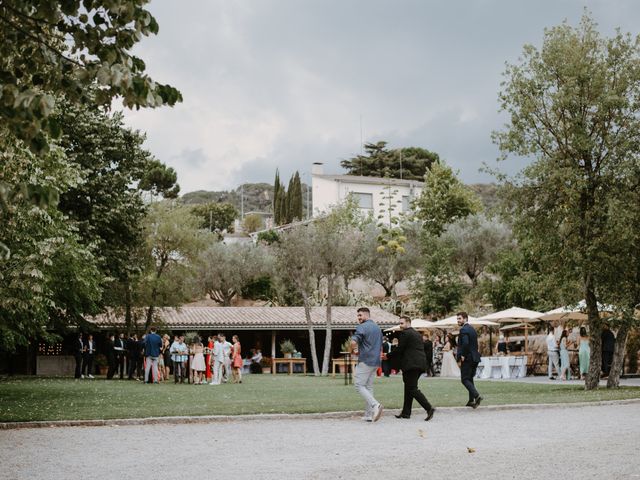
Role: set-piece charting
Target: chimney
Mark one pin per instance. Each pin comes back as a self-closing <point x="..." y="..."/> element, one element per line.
<point x="316" y="168"/>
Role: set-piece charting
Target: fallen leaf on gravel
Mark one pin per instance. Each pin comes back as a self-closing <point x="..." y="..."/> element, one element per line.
<point x="471" y="450"/>
<point x="421" y="433"/>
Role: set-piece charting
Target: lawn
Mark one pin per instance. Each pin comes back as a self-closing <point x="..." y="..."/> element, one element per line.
<point x="29" y="398"/>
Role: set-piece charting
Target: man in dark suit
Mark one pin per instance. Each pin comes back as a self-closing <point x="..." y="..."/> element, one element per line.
<point x="386" y="349"/>
<point x="608" y="346"/>
<point x="111" y="356"/>
<point x="469" y="357"/>
<point x="428" y="353"/>
<point x="132" y="354"/>
<point x="410" y="356"/>
<point x="120" y="348"/>
<point x="88" y="356"/>
<point x="78" y="352"/>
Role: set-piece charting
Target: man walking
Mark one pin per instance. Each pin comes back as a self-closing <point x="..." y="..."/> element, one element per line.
<point x="152" y="346"/>
<point x="411" y="358"/>
<point x="552" y="354"/>
<point x="428" y="353"/>
<point x="469" y="356"/>
<point x="386" y="363"/>
<point x="367" y="339"/>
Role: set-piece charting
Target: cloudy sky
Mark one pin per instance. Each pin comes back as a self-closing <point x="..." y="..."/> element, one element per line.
<point x="284" y="83"/>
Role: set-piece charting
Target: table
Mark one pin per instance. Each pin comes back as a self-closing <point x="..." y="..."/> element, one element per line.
<point x="291" y="361"/>
<point x="342" y="363"/>
<point x="508" y="366"/>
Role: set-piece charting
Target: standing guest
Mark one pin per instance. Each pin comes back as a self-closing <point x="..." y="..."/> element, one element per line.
<point x="111" y="356"/>
<point x="411" y="356"/>
<point x="584" y="352"/>
<point x="141" y="355"/>
<point x="120" y="349"/>
<point x="367" y="340"/>
<point x="386" y="350"/>
<point x="469" y="357"/>
<point x="565" y="367"/>
<point x="552" y="352"/>
<point x="166" y="354"/>
<point x="152" y="346"/>
<point x="502" y="345"/>
<point x="197" y="365"/>
<point x="132" y="354"/>
<point x="89" y="355"/>
<point x="236" y="359"/>
<point x="78" y="352"/>
<point x="179" y="353"/>
<point x="207" y="358"/>
<point x="437" y="355"/>
<point x="449" y="364"/>
<point x="218" y="360"/>
<point x="608" y="346"/>
<point x="428" y="354"/>
<point x="226" y="348"/>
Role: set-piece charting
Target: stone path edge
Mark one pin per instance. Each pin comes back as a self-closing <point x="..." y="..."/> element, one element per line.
<point x="177" y="420"/>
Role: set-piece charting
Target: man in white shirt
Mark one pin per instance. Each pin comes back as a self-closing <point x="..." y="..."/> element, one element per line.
<point x="552" y="352"/>
<point x="226" y="347"/>
<point x="217" y="358"/>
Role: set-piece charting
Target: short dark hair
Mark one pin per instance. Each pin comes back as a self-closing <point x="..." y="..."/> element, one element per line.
<point x="464" y="315"/>
<point x="583" y="332"/>
<point x="364" y="309"/>
<point x="152" y="329"/>
<point x="404" y="317"/>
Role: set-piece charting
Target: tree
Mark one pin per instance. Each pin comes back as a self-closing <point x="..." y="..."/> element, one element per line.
<point x="224" y="270"/>
<point x="215" y="216"/>
<point x="276" y="199"/>
<point x="252" y="223"/>
<point x="409" y="163"/>
<point x="52" y="50"/>
<point x="573" y="109"/>
<point x="160" y="180"/>
<point x="172" y="243"/>
<point x="443" y="200"/>
<point x="477" y="241"/>
<point x="296" y="263"/>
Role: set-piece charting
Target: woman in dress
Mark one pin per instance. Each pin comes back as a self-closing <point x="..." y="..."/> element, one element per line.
<point x="449" y="365"/>
<point x="565" y="370"/>
<point x="166" y="353"/>
<point x="198" y="366"/>
<point x="584" y="352"/>
<point x="437" y="355"/>
<point x="236" y="360"/>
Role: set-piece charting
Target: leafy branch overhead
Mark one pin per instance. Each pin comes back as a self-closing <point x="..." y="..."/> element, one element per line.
<point x="51" y="49"/>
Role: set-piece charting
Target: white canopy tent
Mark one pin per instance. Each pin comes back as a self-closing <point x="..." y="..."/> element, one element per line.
<point x="473" y="321"/>
<point x="574" y="312"/>
<point x="516" y="315"/>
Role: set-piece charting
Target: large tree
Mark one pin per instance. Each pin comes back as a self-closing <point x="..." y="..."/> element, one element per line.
<point x="216" y="216"/>
<point x="409" y="163"/>
<point x="573" y="108"/>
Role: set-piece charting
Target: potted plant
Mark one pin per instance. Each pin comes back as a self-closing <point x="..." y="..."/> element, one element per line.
<point x="287" y="348"/>
<point x="102" y="364"/>
<point x="266" y="363"/>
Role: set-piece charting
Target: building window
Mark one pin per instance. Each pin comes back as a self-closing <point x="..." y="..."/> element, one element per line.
<point x="406" y="203"/>
<point x="364" y="200"/>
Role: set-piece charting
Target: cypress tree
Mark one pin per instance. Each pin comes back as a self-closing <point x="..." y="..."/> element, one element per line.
<point x="297" y="197"/>
<point x="290" y="200"/>
<point x="282" y="205"/>
<point x="276" y="193"/>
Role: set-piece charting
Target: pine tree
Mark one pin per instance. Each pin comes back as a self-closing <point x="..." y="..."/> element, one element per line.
<point x="276" y="194"/>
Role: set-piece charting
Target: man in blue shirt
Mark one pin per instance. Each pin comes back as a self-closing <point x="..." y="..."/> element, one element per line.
<point x="368" y="341"/>
<point x="152" y="346"/>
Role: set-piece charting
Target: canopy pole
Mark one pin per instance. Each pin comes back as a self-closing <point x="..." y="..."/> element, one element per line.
<point x="526" y="338"/>
<point x="273" y="344"/>
<point x="490" y="342"/>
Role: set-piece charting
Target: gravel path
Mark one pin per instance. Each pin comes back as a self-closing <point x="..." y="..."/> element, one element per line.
<point x="583" y="442"/>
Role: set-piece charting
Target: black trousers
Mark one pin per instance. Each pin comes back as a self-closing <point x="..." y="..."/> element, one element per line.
<point x="87" y="364"/>
<point x="429" y="369"/>
<point x="111" y="360"/>
<point x="120" y="365"/>
<point x="133" y="365"/>
<point x="411" y="391"/>
<point x="386" y="367"/>
<point x="467" y="372"/>
<point x="78" y="365"/>
<point x="607" y="360"/>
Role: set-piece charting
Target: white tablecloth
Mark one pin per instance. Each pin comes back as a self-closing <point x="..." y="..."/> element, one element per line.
<point x="502" y="367"/>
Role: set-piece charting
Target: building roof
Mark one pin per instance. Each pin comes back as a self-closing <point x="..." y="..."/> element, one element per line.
<point x="371" y="180"/>
<point x="252" y="318"/>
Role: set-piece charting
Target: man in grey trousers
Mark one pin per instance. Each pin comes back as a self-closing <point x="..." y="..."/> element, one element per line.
<point x="368" y="341"/>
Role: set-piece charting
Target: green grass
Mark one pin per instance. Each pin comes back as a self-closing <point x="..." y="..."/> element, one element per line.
<point x="29" y="398"/>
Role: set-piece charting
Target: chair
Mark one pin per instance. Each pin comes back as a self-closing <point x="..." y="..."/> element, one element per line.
<point x="515" y="367"/>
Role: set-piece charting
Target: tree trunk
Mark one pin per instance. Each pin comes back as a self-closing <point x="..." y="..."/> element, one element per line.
<point x="312" y="336"/>
<point x="327" y="342"/>
<point x="595" y="337"/>
<point x="618" y="357"/>
<point x="127" y="308"/>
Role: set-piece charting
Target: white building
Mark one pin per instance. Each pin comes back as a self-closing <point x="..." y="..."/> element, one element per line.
<point x="373" y="194"/>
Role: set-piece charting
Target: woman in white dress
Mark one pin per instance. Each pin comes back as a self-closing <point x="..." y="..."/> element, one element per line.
<point x="449" y="365"/>
<point x="197" y="364"/>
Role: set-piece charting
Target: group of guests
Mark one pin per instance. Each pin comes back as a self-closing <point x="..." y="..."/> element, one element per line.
<point x="558" y="353"/>
<point x="439" y="353"/>
<point x="152" y="358"/>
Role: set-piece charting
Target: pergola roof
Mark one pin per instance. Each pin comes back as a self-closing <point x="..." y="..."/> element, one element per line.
<point x="251" y="318"/>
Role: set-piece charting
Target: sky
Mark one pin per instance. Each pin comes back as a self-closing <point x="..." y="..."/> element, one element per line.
<point x="284" y="83"/>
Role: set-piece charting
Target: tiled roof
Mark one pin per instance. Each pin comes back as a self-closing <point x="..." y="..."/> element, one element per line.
<point x="253" y="318"/>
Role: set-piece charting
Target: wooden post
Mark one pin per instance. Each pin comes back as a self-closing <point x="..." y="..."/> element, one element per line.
<point x="273" y="350"/>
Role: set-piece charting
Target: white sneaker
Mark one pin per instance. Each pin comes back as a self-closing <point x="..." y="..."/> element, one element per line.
<point x="81" y="376"/>
<point x="377" y="412"/>
<point x="90" y="376"/>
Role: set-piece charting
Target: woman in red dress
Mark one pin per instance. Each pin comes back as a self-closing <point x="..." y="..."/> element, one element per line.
<point x="236" y="360"/>
<point x="208" y="358"/>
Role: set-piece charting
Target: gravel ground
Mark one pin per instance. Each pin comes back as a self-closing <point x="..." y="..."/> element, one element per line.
<point x="580" y="442"/>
